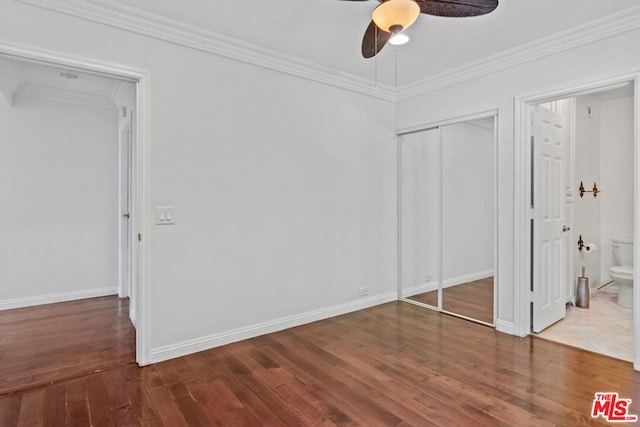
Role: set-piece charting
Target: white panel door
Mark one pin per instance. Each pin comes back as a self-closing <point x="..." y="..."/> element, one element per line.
<point x="549" y="249"/>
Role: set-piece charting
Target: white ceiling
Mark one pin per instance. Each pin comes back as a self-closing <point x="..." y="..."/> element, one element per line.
<point x="329" y="32"/>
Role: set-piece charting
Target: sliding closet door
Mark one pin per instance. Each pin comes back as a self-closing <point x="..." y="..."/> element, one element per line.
<point x="468" y="217"/>
<point x="420" y="216"/>
<point x="447" y="217"/>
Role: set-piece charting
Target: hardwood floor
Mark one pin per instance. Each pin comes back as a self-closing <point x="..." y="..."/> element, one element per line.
<point x="48" y="343"/>
<point x="394" y="364"/>
<point x="473" y="299"/>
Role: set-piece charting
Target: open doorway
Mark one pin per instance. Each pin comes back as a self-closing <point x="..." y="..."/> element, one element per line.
<point x="581" y="192"/>
<point x="68" y="252"/>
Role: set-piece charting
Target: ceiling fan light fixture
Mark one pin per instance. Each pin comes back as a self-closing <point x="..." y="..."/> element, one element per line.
<point x="398" y="39"/>
<point x="394" y="16"/>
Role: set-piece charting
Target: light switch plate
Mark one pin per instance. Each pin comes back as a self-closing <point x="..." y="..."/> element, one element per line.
<point x="165" y="215"/>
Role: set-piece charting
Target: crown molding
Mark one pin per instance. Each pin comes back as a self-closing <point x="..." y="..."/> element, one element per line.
<point x="131" y="19"/>
<point x="48" y="93"/>
<point x="589" y="32"/>
<point x="10" y="79"/>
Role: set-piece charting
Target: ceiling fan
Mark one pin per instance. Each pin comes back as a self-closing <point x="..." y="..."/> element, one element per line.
<point x="391" y="17"/>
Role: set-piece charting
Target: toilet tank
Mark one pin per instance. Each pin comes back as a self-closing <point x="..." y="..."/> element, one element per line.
<point x="622" y="250"/>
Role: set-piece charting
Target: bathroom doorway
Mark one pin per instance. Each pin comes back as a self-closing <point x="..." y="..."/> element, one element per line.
<point x="583" y="218"/>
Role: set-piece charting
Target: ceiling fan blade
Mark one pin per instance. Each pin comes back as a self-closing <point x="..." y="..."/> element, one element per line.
<point x="457" y="8"/>
<point x="374" y="40"/>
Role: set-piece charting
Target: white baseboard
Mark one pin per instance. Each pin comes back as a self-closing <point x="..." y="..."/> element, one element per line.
<point x="55" y="298"/>
<point x="195" y="345"/>
<point x="505" y="327"/>
<point x="454" y="281"/>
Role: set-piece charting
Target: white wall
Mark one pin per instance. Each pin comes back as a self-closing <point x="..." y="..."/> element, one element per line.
<point x="616" y="166"/>
<point x="587" y="210"/>
<point x="284" y="192"/>
<point x="58" y="184"/>
<point x="592" y="62"/>
<point x="284" y="188"/>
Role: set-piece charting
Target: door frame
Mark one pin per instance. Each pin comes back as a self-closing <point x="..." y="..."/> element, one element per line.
<point x="141" y="173"/>
<point x="495" y="113"/>
<point x="522" y="294"/>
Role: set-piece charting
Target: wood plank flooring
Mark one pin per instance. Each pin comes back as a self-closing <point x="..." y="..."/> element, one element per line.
<point x="48" y="343"/>
<point x="394" y="364"/>
<point x="473" y="299"/>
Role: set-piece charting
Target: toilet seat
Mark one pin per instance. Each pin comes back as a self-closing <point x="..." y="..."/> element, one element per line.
<point x="622" y="270"/>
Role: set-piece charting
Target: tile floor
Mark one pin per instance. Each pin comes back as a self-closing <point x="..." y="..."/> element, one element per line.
<point x="604" y="327"/>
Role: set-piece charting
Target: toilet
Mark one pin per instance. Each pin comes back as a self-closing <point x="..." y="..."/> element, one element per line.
<point x="622" y="271"/>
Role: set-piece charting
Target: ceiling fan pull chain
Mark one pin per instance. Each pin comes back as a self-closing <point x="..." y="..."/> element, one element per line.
<point x="395" y="68"/>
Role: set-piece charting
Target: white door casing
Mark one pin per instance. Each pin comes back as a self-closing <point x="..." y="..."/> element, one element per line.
<point x="135" y="244"/>
<point x="125" y="213"/>
<point x="549" y="247"/>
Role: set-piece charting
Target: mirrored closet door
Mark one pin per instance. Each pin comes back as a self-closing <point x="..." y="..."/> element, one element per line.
<point x="447" y="218"/>
<point x="420" y="216"/>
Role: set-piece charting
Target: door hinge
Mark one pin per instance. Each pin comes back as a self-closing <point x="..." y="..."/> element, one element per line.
<point x="139" y="237"/>
<point x="532" y="213"/>
<point x="532" y="296"/>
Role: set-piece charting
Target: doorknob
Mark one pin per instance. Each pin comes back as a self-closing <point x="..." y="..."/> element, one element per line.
<point x="126" y="215"/>
<point x="565" y="228"/>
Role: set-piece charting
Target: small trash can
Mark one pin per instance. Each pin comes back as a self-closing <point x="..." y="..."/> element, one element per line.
<point x="582" y="292"/>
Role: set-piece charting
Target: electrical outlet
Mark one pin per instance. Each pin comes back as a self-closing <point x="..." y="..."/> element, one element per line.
<point x="428" y="277"/>
<point x="364" y="292"/>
